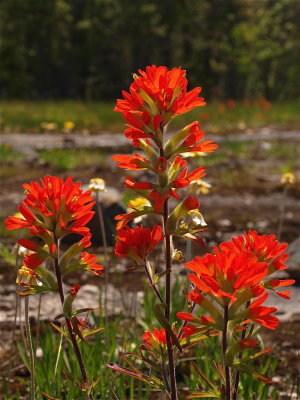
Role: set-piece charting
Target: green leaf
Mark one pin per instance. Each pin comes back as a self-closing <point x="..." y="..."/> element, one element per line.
<point x="165" y="324"/>
<point x="205" y="333"/>
<point x="203" y="395"/>
<point x="219" y="368"/>
<point x="151" y="380"/>
<point x="47" y="396"/>
<point x="82" y="310"/>
<point x="248" y="370"/>
<point x="253" y="356"/>
<point x="61" y="331"/>
<point x="6" y="254"/>
<point x="92" y="332"/>
<point x="204" y="377"/>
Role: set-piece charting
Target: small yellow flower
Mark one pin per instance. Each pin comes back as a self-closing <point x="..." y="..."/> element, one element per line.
<point x="288" y="179"/>
<point x="200" y="187"/>
<point x="139" y="203"/>
<point x="69" y="126"/>
<point x="48" y="126"/>
<point x="26" y="276"/>
<point x="97" y="185"/>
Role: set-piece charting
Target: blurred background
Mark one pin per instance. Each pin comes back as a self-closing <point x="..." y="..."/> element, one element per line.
<point x="88" y="49"/>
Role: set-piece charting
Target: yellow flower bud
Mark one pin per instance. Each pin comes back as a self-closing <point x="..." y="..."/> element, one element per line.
<point x="26" y="276"/>
<point x="199" y="187"/>
<point x="288" y="179"/>
<point x="69" y="125"/>
<point x="97" y="185"/>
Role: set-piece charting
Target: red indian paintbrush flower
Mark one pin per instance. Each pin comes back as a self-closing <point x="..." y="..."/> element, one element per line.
<point x="155" y="339"/>
<point x="194" y="141"/>
<point x="55" y="205"/>
<point x="137" y="243"/>
<point x="265" y="247"/>
<point x="225" y="274"/>
<point x="260" y="314"/>
<point x="158" y="91"/>
<point x="131" y="163"/>
<point x="88" y="261"/>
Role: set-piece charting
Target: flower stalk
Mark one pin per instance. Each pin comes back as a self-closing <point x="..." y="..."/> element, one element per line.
<point x="30" y="348"/>
<point x="173" y="385"/>
<point x="69" y="324"/>
<point x="52" y="209"/>
<point x="104" y="241"/>
<point x="224" y="349"/>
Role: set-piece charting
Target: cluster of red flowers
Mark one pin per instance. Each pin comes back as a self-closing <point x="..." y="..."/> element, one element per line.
<point x="155" y="97"/>
<point x="236" y="274"/>
<point x="137" y="243"/>
<point x="52" y="209"/>
<point x="157" y="338"/>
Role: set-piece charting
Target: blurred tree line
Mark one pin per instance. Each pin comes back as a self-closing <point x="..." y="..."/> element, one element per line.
<point x="89" y="48"/>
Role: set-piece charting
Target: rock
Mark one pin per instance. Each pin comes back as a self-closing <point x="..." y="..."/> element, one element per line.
<point x="293" y="262"/>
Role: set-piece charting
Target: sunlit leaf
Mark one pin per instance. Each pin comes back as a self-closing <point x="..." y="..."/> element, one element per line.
<point x="203" y="395"/>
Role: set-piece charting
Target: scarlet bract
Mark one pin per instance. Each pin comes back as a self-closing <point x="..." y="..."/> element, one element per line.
<point x="161" y="91"/>
<point x="137" y="243"/>
<point x="54" y="205"/>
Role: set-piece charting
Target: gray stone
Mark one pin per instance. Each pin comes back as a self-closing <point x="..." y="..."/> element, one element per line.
<point x="293" y="262"/>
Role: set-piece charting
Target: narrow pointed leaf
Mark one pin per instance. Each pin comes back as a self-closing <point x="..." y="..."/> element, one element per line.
<point x="203" y="395"/>
<point x="204" y="377"/>
<point x="165" y="324"/>
<point x="47" y="396"/>
<point x="82" y="310"/>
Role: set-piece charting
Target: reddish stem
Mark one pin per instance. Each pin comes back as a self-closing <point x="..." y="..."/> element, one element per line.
<point x="224" y="348"/>
<point x="69" y="325"/>
<point x="173" y="385"/>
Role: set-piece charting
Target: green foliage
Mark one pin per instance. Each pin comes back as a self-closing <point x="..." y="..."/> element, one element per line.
<point x="20" y="116"/>
<point x="207" y="351"/>
<point x="7" y="154"/>
<point x="106" y="346"/>
<point x="66" y="159"/>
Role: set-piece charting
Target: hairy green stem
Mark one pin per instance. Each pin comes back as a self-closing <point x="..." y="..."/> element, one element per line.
<point x="224" y="348"/>
<point x="173" y="386"/>
<point x="238" y="374"/>
<point x="17" y="305"/>
<point x="69" y="324"/>
<point x="153" y="284"/>
<point x="30" y="347"/>
<point x="104" y="241"/>
<point x="38" y="322"/>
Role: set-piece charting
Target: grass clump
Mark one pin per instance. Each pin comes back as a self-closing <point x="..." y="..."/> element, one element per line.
<point x="67" y="159"/>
